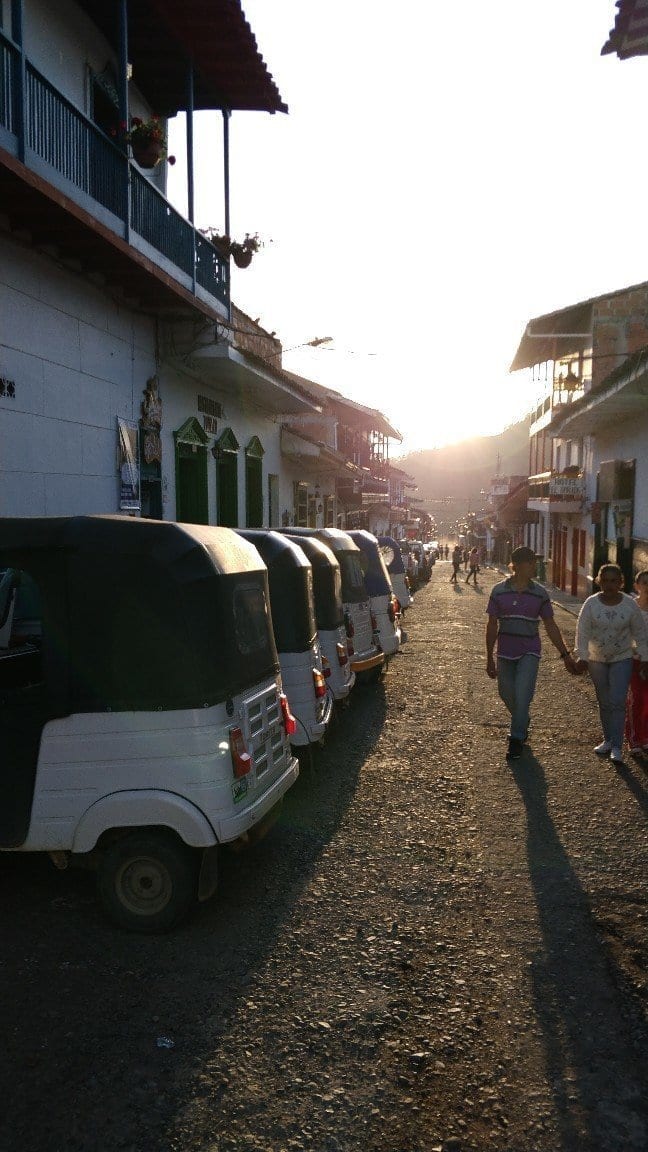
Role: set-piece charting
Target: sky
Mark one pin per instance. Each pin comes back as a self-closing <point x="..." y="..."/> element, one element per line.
<point x="445" y="172"/>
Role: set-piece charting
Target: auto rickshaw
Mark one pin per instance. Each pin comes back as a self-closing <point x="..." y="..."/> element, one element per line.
<point x="142" y="719"/>
<point x="329" y="614"/>
<point x="292" y="605"/>
<point x="367" y="657"/>
<point x="384" y="603"/>
<point x="393" y="557"/>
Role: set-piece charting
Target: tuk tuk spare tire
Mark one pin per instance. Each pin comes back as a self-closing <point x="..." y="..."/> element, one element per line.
<point x="147" y="881"/>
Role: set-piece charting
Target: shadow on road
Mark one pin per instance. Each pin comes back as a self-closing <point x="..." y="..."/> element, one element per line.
<point x="581" y="997"/>
<point x="84" y="1004"/>
<point x="637" y="787"/>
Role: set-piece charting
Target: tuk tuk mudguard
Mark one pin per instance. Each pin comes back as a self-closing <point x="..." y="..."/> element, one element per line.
<point x="144" y="808"/>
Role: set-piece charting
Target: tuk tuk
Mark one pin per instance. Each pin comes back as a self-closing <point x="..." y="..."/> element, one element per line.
<point x="142" y="719"/>
<point x="329" y="614"/>
<point x="367" y="657"/>
<point x="292" y="606"/>
<point x="384" y="604"/>
<point x="393" y="558"/>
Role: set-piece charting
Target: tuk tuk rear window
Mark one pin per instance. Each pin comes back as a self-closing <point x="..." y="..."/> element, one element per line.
<point x="250" y="619"/>
<point x="353" y="582"/>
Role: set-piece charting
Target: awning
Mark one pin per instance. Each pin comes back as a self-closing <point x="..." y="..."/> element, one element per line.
<point x="554" y="335"/>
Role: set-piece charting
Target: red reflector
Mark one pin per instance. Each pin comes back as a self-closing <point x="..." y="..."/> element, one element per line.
<point x="241" y="759"/>
<point x="348" y="625"/>
<point x="374" y="623"/>
<point x="290" y="724"/>
<point x="319" y="682"/>
<point x="391" y="611"/>
<point x="326" y="667"/>
<point x="342" y="655"/>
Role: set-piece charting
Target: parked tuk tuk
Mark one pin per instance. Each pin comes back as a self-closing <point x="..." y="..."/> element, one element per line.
<point x="395" y="565"/>
<point x="292" y="605"/>
<point x="367" y="657"/>
<point x="329" y="614"/>
<point x="142" y="719"/>
<point x="384" y="604"/>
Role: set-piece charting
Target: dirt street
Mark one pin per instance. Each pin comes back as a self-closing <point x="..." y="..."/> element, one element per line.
<point x="433" y="951"/>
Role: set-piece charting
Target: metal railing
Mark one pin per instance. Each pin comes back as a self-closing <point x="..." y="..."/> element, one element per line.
<point x="87" y="164"/>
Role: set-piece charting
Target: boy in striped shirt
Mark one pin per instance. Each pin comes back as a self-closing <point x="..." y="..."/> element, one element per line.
<point x="515" y="608"/>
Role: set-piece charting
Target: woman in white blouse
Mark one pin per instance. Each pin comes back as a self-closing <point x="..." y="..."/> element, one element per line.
<point x="610" y="629"/>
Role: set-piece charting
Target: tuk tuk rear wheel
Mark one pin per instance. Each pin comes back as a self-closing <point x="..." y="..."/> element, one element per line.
<point x="147" y="881"/>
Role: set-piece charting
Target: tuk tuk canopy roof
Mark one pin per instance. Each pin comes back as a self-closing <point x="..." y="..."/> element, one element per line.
<point x="376" y="574"/>
<point x="142" y="614"/>
<point x="327" y="582"/>
<point x="290" y="578"/>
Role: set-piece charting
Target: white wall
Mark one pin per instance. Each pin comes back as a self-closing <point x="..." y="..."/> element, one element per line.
<point x="628" y="441"/>
<point x="78" y="361"/>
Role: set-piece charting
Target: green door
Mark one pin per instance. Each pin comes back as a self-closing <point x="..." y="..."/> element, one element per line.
<point x="227" y="447"/>
<point x="192" y="505"/>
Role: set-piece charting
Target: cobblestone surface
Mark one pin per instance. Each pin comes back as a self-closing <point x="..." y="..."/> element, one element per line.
<point x="433" y="951"/>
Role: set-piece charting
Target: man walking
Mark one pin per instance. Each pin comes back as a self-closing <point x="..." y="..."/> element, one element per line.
<point x="473" y="565"/>
<point x="457" y="557"/>
<point x="515" y="608"/>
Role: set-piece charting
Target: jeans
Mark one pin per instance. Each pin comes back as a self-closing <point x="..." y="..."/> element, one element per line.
<point x="516" y="681"/>
<point x="611" y="683"/>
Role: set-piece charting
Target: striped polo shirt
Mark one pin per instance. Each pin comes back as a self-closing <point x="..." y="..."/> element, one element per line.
<point x="519" y="614"/>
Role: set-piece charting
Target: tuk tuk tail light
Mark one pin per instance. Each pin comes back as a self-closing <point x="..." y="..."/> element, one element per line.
<point x="326" y="666"/>
<point x="241" y="759"/>
<point x="342" y="655"/>
<point x="319" y="683"/>
<point x="391" y="610"/>
<point x="407" y="582"/>
<point x="374" y="622"/>
<point x="350" y="648"/>
<point x="348" y="625"/>
<point x="289" y="722"/>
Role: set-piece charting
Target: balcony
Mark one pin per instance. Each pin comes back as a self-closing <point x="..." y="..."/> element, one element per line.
<point x="556" y="492"/>
<point x="70" y="187"/>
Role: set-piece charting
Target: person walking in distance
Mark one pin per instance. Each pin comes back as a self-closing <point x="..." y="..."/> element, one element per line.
<point x="609" y="629"/>
<point x="515" y="608"/>
<point x="473" y="565"/>
<point x="636" y="721"/>
<point x="457" y="557"/>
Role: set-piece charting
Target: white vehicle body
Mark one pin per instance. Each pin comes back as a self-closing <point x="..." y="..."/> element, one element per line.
<point x="382" y="599"/>
<point x="329" y="615"/>
<point x="142" y="716"/>
<point x="401" y="589"/>
<point x="312" y="712"/>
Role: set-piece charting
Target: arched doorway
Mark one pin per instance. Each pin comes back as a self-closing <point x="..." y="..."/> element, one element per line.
<point x="254" y="483"/>
<point x="226" y="452"/>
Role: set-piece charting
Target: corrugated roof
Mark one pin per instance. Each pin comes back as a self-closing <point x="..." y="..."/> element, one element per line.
<point x="557" y="334"/>
<point x="629" y="37"/>
<point x="163" y="35"/>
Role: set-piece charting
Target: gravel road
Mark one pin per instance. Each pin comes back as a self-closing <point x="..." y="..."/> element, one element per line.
<point x="432" y="951"/>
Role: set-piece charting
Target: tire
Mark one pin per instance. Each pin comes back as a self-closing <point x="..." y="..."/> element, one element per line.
<point x="147" y="881"/>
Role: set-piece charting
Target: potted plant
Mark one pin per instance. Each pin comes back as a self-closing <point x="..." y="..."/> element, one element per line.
<point x="148" y="141"/>
<point x="243" y="252"/>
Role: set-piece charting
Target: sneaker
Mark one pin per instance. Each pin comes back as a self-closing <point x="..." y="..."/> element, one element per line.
<point x="515" y="749"/>
<point x="604" y="748"/>
<point x="616" y="756"/>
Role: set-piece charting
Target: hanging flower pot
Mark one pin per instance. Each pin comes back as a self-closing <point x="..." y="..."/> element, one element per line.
<point x="147" y="153"/>
<point x="241" y="255"/>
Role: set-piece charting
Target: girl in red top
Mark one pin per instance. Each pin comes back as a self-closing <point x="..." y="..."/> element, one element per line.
<point x="636" y="722"/>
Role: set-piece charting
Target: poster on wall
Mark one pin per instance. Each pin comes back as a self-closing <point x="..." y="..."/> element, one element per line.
<point x="129" y="467"/>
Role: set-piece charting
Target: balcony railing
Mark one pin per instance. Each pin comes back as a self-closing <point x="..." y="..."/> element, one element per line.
<point x="557" y="487"/>
<point x="41" y="126"/>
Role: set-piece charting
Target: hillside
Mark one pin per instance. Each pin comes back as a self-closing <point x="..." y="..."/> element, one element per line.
<point x="462" y="470"/>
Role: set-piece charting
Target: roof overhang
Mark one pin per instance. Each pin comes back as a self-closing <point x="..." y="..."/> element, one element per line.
<point x="623" y="399"/>
<point x="629" y="37"/>
<point x="221" y="365"/>
<point x="319" y="457"/>
<point x="554" y="335"/>
<point x="165" y="36"/>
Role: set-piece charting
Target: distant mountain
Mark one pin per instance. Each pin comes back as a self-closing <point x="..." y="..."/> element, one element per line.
<point x="460" y="471"/>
